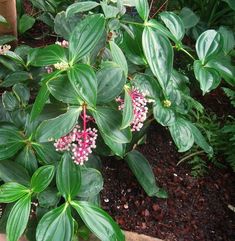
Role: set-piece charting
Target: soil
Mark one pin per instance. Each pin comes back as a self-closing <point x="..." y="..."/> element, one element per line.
<point x="197" y="208"/>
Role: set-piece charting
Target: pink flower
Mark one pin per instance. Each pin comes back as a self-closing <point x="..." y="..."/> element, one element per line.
<point x="79" y="142"/>
<point x="140" y="109"/>
<point x="64" y="43"/>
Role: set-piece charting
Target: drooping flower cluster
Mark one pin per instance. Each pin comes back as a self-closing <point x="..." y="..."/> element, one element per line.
<point x="4" y="48"/>
<point x="79" y="141"/>
<point x="140" y="109"/>
<point x="64" y="43"/>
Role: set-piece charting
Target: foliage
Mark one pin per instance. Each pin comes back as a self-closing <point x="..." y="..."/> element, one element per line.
<point x="93" y="95"/>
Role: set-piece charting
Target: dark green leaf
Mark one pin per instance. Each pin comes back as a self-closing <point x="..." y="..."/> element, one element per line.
<point x="6" y="39"/>
<point x="143" y="172"/>
<point x="68" y="178"/>
<point x="48" y="198"/>
<point x="10" y="101"/>
<point x="208" y="78"/>
<point x="142" y="7"/>
<point x="109" y="123"/>
<point x="11" y="192"/>
<point x="174" y="24"/>
<point x="56" y="225"/>
<point x="92" y="182"/>
<point x="16" y="77"/>
<point x="83" y="79"/>
<point x="182" y="135"/>
<point x="85" y="36"/>
<point x="13" y="172"/>
<point x="26" y="22"/>
<point x="22" y="93"/>
<point x="118" y="57"/>
<point x="42" y="178"/>
<point x="99" y="222"/>
<point x="190" y="19"/>
<point x="79" y="7"/>
<point x="110" y="77"/>
<point x="18" y="218"/>
<point x="55" y="128"/>
<point x="208" y="45"/>
<point x="159" y="54"/>
<point x="128" y="112"/>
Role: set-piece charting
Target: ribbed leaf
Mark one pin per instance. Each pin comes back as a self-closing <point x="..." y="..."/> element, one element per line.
<point x="128" y="112"/>
<point x="142" y="7"/>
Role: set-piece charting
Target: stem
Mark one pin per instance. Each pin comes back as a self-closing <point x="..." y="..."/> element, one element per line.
<point x="159" y="9"/>
<point x="84" y="118"/>
<point x="185" y="51"/>
<point x="189" y="156"/>
<point x="134" y="23"/>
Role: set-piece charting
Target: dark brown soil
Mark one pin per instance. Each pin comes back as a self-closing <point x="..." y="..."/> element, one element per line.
<point x="196" y="209"/>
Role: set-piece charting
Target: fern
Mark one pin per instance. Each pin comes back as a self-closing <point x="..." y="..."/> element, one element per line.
<point x="231" y="95"/>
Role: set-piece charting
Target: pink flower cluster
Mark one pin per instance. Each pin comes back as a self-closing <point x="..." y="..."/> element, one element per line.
<point x="140" y="108"/>
<point x="64" y="43"/>
<point x="79" y="142"/>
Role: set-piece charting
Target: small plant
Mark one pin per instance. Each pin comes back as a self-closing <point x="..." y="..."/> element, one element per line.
<point x="96" y="94"/>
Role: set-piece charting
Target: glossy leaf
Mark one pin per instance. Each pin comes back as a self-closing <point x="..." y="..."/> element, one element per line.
<point x="174" y="24"/>
<point x="10" y="101"/>
<point x="11" y="192"/>
<point x="228" y="39"/>
<point x="85" y="36"/>
<point x="159" y="54"/>
<point x="13" y="172"/>
<point x="48" y="198"/>
<point x="11" y="141"/>
<point x="190" y="19"/>
<point x="22" y="93"/>
<point x="16" y="77"/>
<point x="142" y="7"/>
<point x="18" y="218"/>
<point x="164" y="115"/>
<point x="68" y="177"/>
<point x="208" y="45"/>
<point x="79" y="7"/>
<point x="109" y="10"/>
<point x="56" y="225"/>
<point x="98" y="221"/>
<point x="128" y="112"/>
<point x="118" y="57"/>
<point x="143" y="172"/>
<point x="110" y="77"/>
<point x="92" y="182"/>
<point x="83" y="79"/>
<point x="109" y="123"/>
<point x="49" y="55"/>
<point x="182" y="135"/>
<point x="42" y="178"/>
<point x="208" y="78"/>
<point x="55" y="128"/>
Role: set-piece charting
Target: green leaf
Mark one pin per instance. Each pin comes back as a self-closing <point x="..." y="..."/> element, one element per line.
<point x="182" y="135"/>
<point x="68" y="178"/>
<point x="143" y="172"/>
<point x="42" y="95"/>
<point x="26" y="22"/>
<point x="11" y="141"/>
<point x="208" y="45"/>
<point x="174" y="24"/>
<point x="49" y="55"/>
<point x="27" y="159"/>
<point x="142" y="7"/>
<point x="164" y="115"/>
<point x="190" y="19"/>
<point x="15" y="57"/>
<point x="13" y="172"/>
<point x="231" y="3"/>
<point x="208" y="78"/>
<point x="159" y="54"/>
<point x="16" y="77"/>
<point x="62" y="90"/>
<point x="18" y="218"/>
<point x="6" y="39"/>
<point x="85" y="36"/>
<point x="109" y="11"/>
<point x="200" y="139"/>
<point x="228" y="39"/>
<point x="11" y="192"/>
<point x="128" y="112"/>
<point x="22" y="93"/>
<point x="109" y="123"/>
<point x="55" y="128"/>
<point x="92" y="182"/>
<point x="118" y="57"/>
<point x="56" y="225"/>
<point x="110" y="77"/>
<point x="42" y="178"/>
<point x="9" y="101"/>
<point x="48" y="198"/>
<point x="2" y="20"/>
<point x="98" y="221"/>
<point x="83" y="79"/>
<point x="80" y="7"/>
